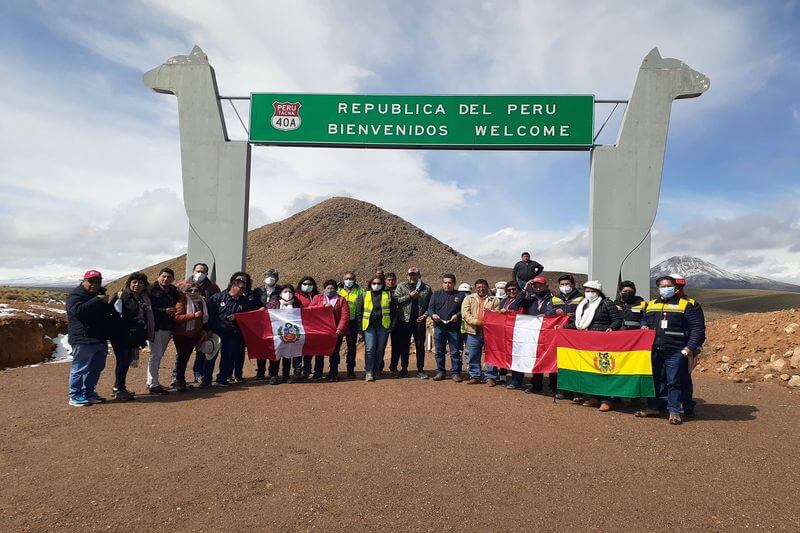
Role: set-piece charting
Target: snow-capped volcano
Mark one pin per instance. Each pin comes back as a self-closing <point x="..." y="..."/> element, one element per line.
<point x="704" y="275"/>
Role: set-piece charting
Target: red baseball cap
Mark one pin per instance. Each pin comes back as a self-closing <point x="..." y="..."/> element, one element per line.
<point x="413" y="270"/>
<point x="540" y="279"/>
<point x="92" y="274"/>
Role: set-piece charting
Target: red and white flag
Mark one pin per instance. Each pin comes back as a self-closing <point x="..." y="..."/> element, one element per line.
<point x="276" y="333"/>
<point x="522" y="343"/>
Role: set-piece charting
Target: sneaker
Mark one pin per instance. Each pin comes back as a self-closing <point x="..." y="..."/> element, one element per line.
<point x="439" y="377"/>
<point x="122" y="395"/>
<point x="591" y="402"/>
<point x="198" y="377"/>
<point x="204" y="385"/>
<point x="274" y="380"/>
<point x="559" y="396"/>
<point x="422" y="375"/>
<point x="94" y="398"/>
<point x="578" y="399"/>
<point x="511" y="386"/>
<point x="158" y="390"/>
<point x="259" y="377"/>
<point x="237" y="380"/>
<point x="181" y="386"/>
<point x="173" y="383"/>
<point x="369" y="377"/>
<point x="222" y="383"/>
<point x="403" y="373"/>
<point x="675" y="419"/>
<point x="79" y="401"/>
<point x="533" y="390"/>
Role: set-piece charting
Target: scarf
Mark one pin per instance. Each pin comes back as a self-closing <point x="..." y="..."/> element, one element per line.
<point x="286" y="305"/>
<point x="584" y="314"/>
<point x="330" y="301"/>
<point x="191" y="308"/>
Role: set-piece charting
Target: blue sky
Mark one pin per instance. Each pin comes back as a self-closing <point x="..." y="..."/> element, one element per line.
<point x="89" y="160"/>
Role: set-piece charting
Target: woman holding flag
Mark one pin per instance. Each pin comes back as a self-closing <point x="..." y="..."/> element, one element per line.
<point x="514" y="301"/>
<point x="376" y="314"/>
<point x="305" y="292"/>
<point x="596" y="313"/>
<point x="286" y="301"/>
<point x="341" y="317"/>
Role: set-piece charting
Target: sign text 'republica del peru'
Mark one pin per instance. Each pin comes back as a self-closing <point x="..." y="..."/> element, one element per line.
<point x="426" y="121"/>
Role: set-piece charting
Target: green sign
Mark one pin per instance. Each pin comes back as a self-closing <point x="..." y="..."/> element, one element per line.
<point x="423" y="121"/>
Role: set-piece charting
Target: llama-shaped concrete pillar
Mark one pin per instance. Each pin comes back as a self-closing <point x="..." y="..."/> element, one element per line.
<point x="626" y="178"/>
<point x="216" y="171"/>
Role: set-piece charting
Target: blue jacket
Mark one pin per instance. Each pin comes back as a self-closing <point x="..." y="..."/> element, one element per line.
<point x="221" y="308"/>
<point x="89" y="319"/>
<point x="446" y="304"/>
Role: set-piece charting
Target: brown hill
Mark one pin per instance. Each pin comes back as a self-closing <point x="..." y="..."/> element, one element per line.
<point x="343" y="234"/>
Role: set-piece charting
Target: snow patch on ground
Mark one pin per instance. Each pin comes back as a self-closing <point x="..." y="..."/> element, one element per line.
<point x="63" y="351"/>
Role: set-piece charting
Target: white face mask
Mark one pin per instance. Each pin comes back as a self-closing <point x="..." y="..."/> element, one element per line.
<point x="500" y="293"/>
<point x="349" y="283"/>
<point x="592" y="296"/>
<point x="199" y="277"/>
<point x="376" y="286"/>
<point x="287" y="296"/>
<point x="565" y="289"/>
<point x="271" y="281"/>
<point x="666" y="292"/>
<point x="306" y="287"/>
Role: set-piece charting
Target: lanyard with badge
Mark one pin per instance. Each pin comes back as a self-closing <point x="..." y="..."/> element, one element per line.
<point x="664" y="320"/>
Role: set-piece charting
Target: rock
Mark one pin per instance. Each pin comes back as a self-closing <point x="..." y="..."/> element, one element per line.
<point x="724" y="367"/>
<point x="796" y="351"/>
<point x="769" y="376"/>
<point x="794" y="381"/>
<point x="737" y="380"/>
<point x="791" y="328"/>
<point x="794" y="362"/>
<point x="778" y="366"/>
<point x="785" y="377"/>
<point x="724" y="358"/>
<point x="788" y="353"/>
<point x="774" y="357"/>
<point x="742" y="368"/>
<point x="734" y="326"/>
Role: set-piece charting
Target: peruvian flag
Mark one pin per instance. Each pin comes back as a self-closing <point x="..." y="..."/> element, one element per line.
<point x="522" y="343"/>
<point x="275" y="333"/>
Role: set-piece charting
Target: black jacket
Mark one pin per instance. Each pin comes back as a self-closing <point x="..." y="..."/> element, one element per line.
<point x="130" y="332"/>
<point x="632" y="312"/>
<point x="606" y="316"/>
<point x="260" y="295"/>
<point x="685" y="327"/>
<point x="221" y="308"/>
<point x="89" y="319"/>
<point x="162" y="300"/>
<point x="526" y="271"/>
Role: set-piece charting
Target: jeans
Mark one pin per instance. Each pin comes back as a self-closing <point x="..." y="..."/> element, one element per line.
<point x="442" y="337"/>
<point x="334" y="362"/>
<point x="375" y="343"/>
<point x="88" y="361"/>
<point x="184" y="345"/>
<point x="475" y="350"/>
<point x="491" y="372"/>
<point x="157" y="348"/>
<point x="231" y="352"/>
<point x="406" y="330"/>
<point x="352" y="340"/>
<point x="667" y="366"/>
<point x="124" y="356"/>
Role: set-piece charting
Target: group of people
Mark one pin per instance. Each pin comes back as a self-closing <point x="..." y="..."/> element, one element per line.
<point x="187" y="313"/>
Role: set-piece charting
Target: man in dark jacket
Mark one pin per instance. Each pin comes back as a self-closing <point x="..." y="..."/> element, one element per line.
<point x="565" y="303"/>
<point x="630" y="305"/>
<point x="680" y="331"/>
<point x="221" y="308"/>
<point x="413" y="298"/>
<point x="267" y="296"/>
<point x="687" y="386"/>
<point x="538" y="301"/>
<point x="163" y="297"/>
<point x="526" y="270"/>
<point x="89" y="325"/>
<point x="445" y="311"/>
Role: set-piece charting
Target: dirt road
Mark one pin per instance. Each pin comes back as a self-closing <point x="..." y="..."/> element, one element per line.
<point x="391" y="455"/>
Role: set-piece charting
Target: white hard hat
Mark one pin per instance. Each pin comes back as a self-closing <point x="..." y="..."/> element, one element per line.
<point x="500" y="285"/>
<point x="464" y="287"/>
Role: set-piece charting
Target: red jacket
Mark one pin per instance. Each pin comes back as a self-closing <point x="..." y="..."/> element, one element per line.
<point x="305" y="300"/>
<point x="341" y="312"/>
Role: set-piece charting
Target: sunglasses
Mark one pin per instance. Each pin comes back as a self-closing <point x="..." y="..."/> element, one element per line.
<point x="194" y="291"/>
<point x="512" y="290"/>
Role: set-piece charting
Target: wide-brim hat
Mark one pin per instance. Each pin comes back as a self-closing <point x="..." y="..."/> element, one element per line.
<point x="210" y="346"/>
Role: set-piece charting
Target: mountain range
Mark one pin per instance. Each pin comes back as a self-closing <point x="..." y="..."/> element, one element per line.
<point x="704" y="275"/>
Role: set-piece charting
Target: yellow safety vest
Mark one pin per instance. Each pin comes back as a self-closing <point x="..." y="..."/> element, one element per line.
<point x="386" y="319"/>
<point x="350" y="297"/>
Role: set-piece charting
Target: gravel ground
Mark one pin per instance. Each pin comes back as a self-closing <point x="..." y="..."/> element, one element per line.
<point x="400" y="454"/>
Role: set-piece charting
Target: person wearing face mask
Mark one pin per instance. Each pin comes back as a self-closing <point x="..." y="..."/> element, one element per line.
<point x="413" y="297"/>
<point x="596" y="313"/>
<point x="350" y="291"/>
<point x="341" y="317"/>
<point x="191" y="318"/>
<point x="680" y="331"/>
<point x="539" y="301"/>
<point x="305" y="292"/>
<point x="493" y="374"/>
<point x="269" y="292"/>
<point x="394" y="357"/>
<point x="376" y="313"/>
<point x="514" y="300"/>
<point x="286" y="300"/>
<point x="565" y="303"/>
<point x="200" y="276"/>
<point x="221" y="308"/>
<point x="687" y="386"/>
<point x="472" y="310"/>
<point x="164" y="296"/>
<point x="630" y="305"/>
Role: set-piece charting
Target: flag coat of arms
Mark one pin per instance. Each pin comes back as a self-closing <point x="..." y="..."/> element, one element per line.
<point x="614" y="363"/>
<point x="276" y="333"/>
<point x="522" y="343"/>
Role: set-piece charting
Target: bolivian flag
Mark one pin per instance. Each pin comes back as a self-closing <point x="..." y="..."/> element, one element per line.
<point x="614" y="363"/>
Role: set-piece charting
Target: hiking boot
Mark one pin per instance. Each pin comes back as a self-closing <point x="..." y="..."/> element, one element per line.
<point x="605" y="407"/>
<point x="457" y="378"/>
<point x="259" y="377"/>
<point x="122" y="395"/>
<point x="439" y="377"/>
<point x="591" y="402"/>
<point x="474" y="381"/>
<point x="491" y="382"/>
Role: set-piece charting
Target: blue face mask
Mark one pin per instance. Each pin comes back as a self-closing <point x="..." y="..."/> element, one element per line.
<point x="666" y="292"/>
